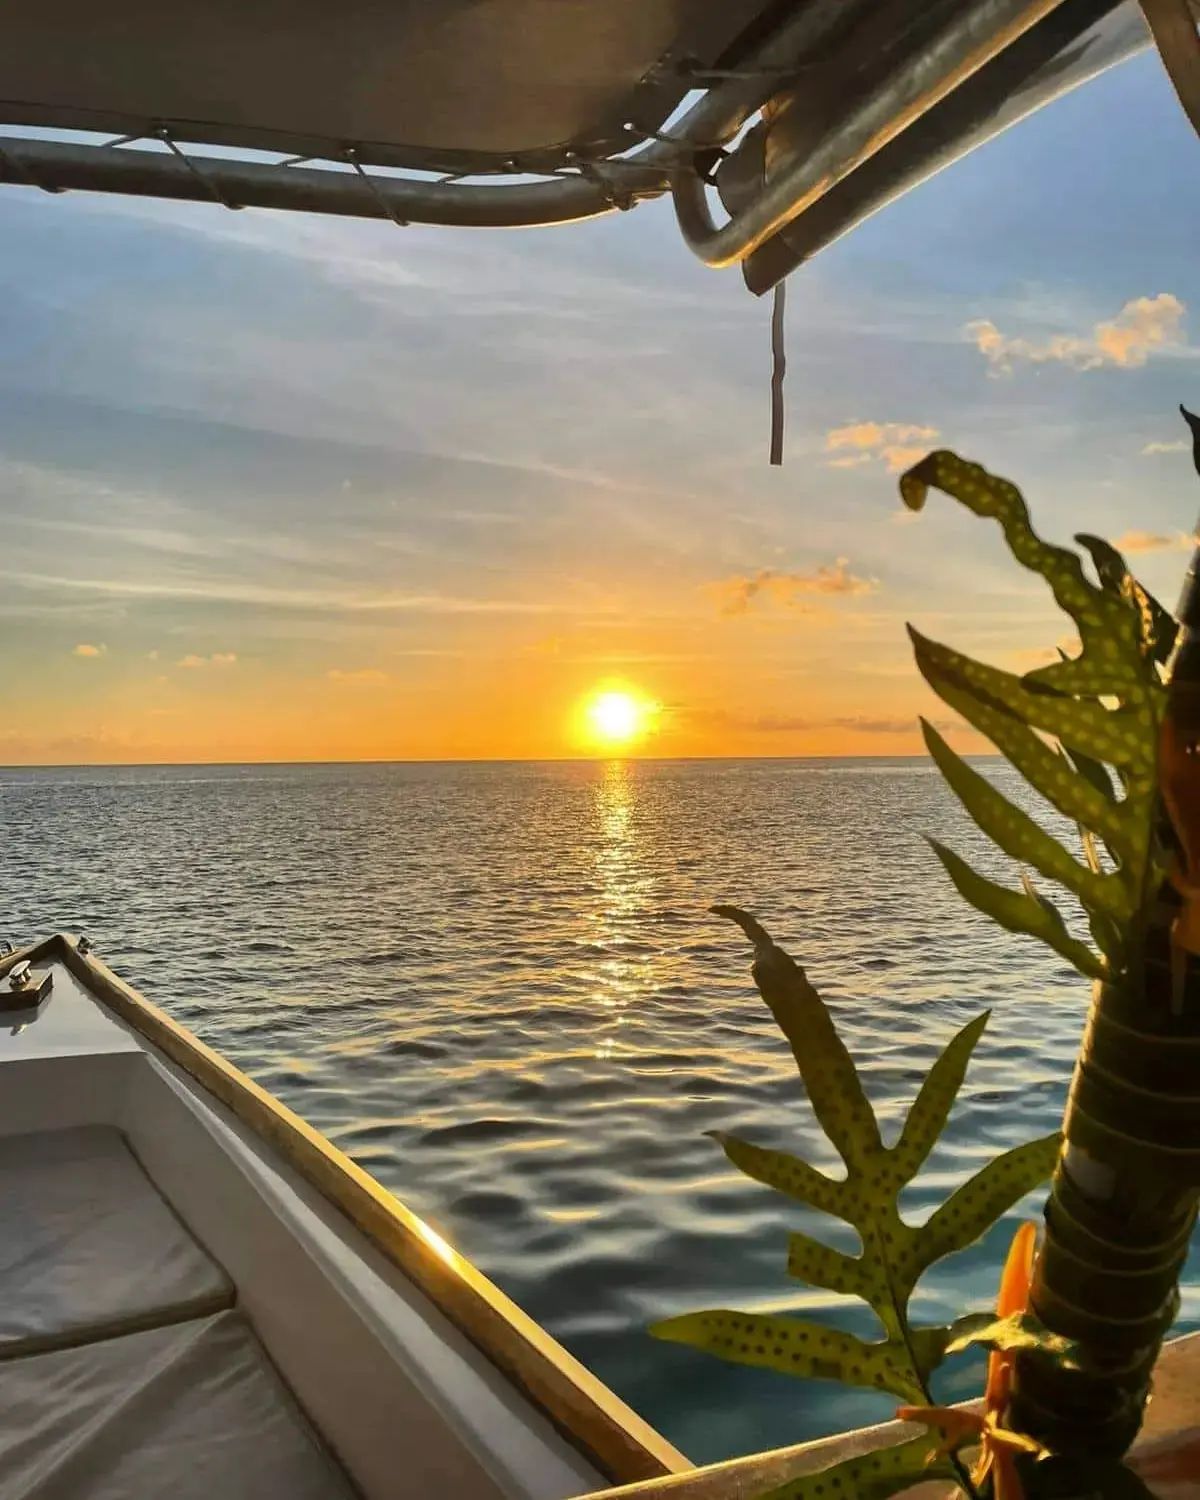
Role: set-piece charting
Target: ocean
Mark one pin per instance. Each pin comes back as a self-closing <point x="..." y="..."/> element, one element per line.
<point x="499" y="988"/>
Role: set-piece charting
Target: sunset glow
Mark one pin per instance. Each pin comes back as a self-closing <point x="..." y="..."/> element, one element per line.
<point x="451" y="496"/>
<point x="615" y="718"/>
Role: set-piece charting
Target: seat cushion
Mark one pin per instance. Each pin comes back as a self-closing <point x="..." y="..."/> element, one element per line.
<point x="88" y="1248"/>
<point x="193" y="1411"/>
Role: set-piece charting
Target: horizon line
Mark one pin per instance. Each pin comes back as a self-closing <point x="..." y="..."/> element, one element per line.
<point x="457" y="760"/>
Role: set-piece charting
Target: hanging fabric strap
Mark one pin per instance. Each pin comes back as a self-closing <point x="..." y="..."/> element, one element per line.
<point x="778" y="371"/>
<point x="1173" y="28"/>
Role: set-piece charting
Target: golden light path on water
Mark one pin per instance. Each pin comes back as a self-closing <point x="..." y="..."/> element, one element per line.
<point x="621" y="880"/>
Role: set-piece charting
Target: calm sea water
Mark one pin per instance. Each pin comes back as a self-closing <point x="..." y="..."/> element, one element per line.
<point x="499" y="988"/>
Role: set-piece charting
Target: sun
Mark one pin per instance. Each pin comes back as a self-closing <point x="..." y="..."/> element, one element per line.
<point x="615" y="717"/>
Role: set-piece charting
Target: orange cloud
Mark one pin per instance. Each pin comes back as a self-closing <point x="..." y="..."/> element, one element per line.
<point x="1154" y="541"/>
<point x="735" y="595"/>
<point x="87" y="649"/>
<point x="1144" y="325"/>
<point x="359" y="677"/>
<point x="217" y="659"/>
<point x="898" y="445"/>
<point x="899" y="457"/>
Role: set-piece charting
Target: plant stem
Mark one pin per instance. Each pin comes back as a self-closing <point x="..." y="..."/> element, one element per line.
<point x="1124" y="1198"/>
<point x="965" y="1481"/>
<point x="1119" y="1217"/>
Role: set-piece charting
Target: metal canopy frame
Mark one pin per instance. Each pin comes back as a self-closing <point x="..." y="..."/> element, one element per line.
<point x="374" y="181"/>
<point x="904" y="84"/>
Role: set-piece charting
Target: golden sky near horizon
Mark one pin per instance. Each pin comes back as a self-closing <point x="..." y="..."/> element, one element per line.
<point x="280" y="488"/>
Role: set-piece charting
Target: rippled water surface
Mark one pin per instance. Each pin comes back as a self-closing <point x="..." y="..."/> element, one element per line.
<point x="498" y="987"/>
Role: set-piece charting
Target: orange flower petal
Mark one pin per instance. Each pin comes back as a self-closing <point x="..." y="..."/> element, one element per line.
<point x="1013" y="1297"/>
<point x="1018" y="1272"/>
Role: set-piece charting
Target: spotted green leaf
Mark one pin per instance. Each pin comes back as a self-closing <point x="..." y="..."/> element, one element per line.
<point x="829" y="1074"/>
<point x="1109" y="564"/>
<point x="870" y="1476"/>
<point x="1102" y="705"/>
<point x="974" y="1207"/>
<point x="893" y="1254"/>
<point x="1018" y="835"/>
<point x="787" y="1173"/>
<point x="1080" y="797"/>
<point x="1159" y="628"/>
<point x="1077" y="722"/>
<point x="1019" y="911"/>
<point x="1018" y="1331"/>
<point x="852" y="1275"/>
<point x="1094" y="772"/>
<point x="1109" y="629"/>
<point x="931" y="1108"/>
<point x="795" y="1346"/>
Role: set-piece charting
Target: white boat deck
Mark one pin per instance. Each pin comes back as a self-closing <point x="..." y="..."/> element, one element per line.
<point x="182" y="1313"/>
<point x="152" y="1252"/>
<point x="68" y="1023"/>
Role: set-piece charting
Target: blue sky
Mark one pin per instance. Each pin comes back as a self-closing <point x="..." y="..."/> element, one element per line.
<point x="316" y="488"/>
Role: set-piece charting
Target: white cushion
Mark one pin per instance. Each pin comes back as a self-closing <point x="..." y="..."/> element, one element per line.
<point x="88" y="1248"/>
<point x="193" y="1411"/>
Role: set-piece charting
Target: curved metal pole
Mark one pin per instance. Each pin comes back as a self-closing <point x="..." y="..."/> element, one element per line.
<point x="56" y="167"/>
<point x="1173" y="28"/>
<point x="969" y="41"/>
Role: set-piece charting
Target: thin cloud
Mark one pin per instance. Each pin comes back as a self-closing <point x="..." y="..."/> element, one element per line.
<point x="736" y="595"/>
<point x="1154" y="541"/>
<point x="769" y="724"/>
<point x="1145" y="325"/>
<point x="87" y="649"/>
<point x="1178" y="445"/>
<point x="192" y="662"/>
<point x="357" y="677"/>
<point x="898" y="445"/>
<point x="869" y="724"/>
<point x="325" y="601"/>
<point x="875" y="434"/>
<point x="898" y="456"/>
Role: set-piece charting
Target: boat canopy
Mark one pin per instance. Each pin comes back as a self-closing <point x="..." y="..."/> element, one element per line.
<point x="800" y="116"/>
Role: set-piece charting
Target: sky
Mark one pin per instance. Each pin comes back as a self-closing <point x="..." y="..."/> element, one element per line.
<point x="277" y="487"/>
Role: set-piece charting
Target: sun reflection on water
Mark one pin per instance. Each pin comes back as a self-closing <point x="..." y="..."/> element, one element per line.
<point x="622" y="864"/>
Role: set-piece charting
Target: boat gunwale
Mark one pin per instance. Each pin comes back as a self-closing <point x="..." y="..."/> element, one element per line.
<point x="622" y="1445"/>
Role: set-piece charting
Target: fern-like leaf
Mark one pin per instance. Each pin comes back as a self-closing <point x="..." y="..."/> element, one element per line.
<point x="1103" y="706"/>
<point x="795" y="1346"/>
<point x="894" y="1254"/>
<point x="1019" y="911"/>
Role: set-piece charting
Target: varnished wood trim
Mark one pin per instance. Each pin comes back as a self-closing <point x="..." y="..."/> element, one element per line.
<point x="609" y="1433"/>
<point x="1170" y="1433"/>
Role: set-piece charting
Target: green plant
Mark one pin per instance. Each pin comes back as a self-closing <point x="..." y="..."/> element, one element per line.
<point x="1061" y="726"/>
<point x="1087" y="733"/>
<point x="1108" y="739"/>
<point x="894" y="1254"/>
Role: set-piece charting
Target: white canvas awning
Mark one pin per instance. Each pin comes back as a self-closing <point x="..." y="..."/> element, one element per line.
<point x="520" y="112"/>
